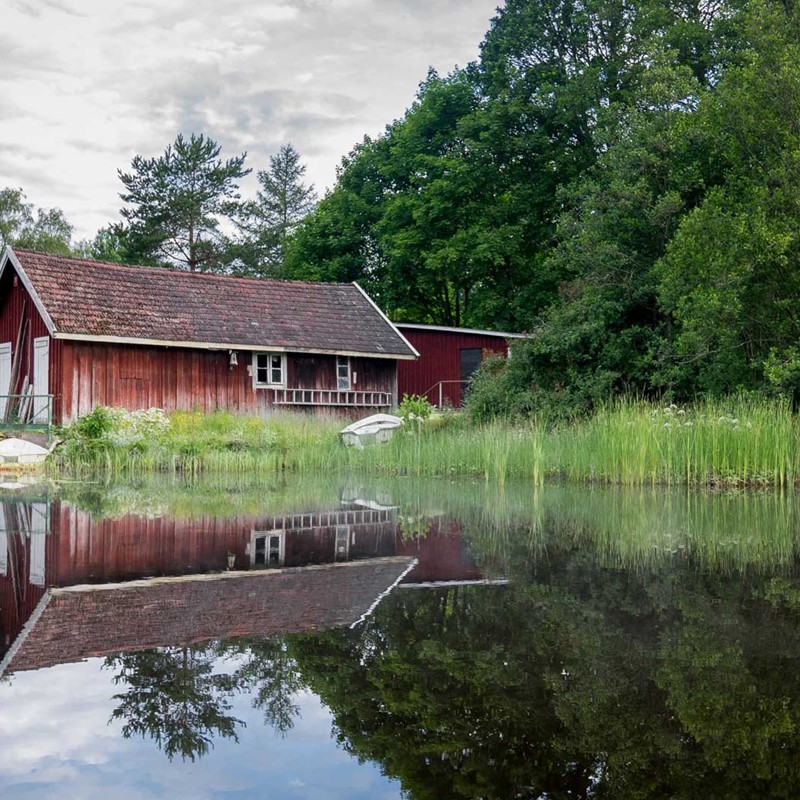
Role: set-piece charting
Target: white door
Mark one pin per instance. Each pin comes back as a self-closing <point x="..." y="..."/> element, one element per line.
<point x="5" y="377"/>
<point x="38" y="540"/>
<point x="3" y="541"/>
<point x="41" y="379"/>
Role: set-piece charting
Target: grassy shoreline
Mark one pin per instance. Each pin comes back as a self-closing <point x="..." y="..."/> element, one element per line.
<point x="735" y="442"/>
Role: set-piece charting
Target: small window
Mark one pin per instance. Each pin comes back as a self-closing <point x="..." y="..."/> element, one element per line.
<point x="342" y="546"/>
<point x="267" y="549"/>
<point x="342" y="373"/>
<point x="269" y="369"/>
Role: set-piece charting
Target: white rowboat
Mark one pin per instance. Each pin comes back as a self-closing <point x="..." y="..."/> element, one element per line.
<point x="376" y="429"/>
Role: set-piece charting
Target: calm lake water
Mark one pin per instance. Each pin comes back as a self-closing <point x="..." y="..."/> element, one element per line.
<point x="397" y="639"/>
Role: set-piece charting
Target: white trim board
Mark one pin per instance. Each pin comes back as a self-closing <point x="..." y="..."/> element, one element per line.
<point x="246" y="348"/>
<point x="417" y="326"/>
<point x="394" y="327"/>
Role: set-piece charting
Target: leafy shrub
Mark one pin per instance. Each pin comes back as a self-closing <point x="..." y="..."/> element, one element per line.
<point x="414" y="408"/>
<point x="93" y="426"/>
<point x="782" y="371"/>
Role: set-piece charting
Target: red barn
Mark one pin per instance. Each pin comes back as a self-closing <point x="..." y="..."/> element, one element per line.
<point x="75" y="334"/>
<point x="447" y="359"/>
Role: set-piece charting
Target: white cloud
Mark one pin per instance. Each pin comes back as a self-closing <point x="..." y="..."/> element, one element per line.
<point x="87" y="84"/>
<point x="55" y="742"/>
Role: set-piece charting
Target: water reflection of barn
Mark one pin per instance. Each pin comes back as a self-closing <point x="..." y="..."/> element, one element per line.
<point x="46" y="543"/>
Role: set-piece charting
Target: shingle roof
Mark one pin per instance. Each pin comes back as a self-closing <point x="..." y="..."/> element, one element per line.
<point x="84" y="621"/>
<point x="91" y="298"/>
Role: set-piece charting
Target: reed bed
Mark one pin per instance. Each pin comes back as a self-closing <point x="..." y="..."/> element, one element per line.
<point x="736" y="442"/>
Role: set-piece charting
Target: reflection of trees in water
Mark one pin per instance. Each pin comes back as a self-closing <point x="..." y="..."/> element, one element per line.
<point x="181" y="697"/>
<point x="268" y="671"/>
<point x="586" y="683"/>
<point x="174" y="696"/>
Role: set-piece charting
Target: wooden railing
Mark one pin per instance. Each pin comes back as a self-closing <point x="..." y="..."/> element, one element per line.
<point x="26" y="410"/>
<point x="331" y="398"/>
<point x="439" y="386"/>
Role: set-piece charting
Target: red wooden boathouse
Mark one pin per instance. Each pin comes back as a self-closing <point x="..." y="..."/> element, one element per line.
<point x="75" y="334"/>
<point x="447" y="359"/>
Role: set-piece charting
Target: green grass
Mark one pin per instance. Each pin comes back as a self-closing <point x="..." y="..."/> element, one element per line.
<point x="513" y="528"/>
<point x="735" y="442"/>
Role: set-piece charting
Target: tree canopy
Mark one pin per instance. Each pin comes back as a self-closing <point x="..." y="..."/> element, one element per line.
<point x="176" y="203"/>
<point x="616" y="177"/>
<point x="46" y="230"/>
<point x="268" y="222"/>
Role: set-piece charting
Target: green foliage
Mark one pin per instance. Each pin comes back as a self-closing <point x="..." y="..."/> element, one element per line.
<point x="175" y="696"/>
<point x="267" y="223"/>
<point x="738" y="441"/>
<point x="576" y="680"/>
<point x="93" y="426"/>
<point x="176" y="203"/>
<point x="46" y="231"/>
<point x="132" y="442"/>
<point x="414" y="409"/>
<point x="782" y="371"/>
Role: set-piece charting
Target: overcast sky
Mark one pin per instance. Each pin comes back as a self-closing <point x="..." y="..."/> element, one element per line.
<point x="87" y="84"/>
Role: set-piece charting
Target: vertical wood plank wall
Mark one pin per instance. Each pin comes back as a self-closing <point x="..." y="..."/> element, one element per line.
<point x="14" y="302"/>
<point x="440" y="360"/>
<point x="132" y="546"/>
<point x="84" y="375"/>
<point x="137" y="377"/>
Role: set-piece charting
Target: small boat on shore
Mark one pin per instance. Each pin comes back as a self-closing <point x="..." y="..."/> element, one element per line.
<point x="375" y="429"/>
<point x="19" y="451"/>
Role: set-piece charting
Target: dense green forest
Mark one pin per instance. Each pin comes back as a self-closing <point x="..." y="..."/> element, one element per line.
<point x="619" y="178"/>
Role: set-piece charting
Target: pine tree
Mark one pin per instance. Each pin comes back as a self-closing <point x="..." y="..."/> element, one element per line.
<point x="177" y="201"/>
<point x="283" y="200"/>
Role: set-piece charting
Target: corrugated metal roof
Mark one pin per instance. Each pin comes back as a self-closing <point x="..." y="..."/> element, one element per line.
<point x="445" y="329"/>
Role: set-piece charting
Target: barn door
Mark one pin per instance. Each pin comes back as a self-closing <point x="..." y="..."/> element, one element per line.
<point x="5" y="377"/>
<point x="470" y="361"/>
<point x="41" y="379"/>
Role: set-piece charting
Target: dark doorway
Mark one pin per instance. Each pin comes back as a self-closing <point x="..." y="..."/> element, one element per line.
<point x="470" y="361"/>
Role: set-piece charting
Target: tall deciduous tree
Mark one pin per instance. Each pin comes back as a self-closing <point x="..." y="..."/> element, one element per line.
<point x="46" y="230"/>
<point x="282" y="202"/>
<point x="178" y="201"/>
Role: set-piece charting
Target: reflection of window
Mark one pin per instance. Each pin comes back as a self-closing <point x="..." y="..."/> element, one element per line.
<point x="269" y="369"/>
<point x="342" y="547"/>
<point x="267" y="548"/>
<point x="342" y="373"/>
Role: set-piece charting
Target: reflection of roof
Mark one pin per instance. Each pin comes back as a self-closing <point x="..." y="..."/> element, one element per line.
<point x="79" y="622"/>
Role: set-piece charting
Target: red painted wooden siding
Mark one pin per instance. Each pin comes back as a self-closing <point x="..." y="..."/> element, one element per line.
<point x="442" y="554"/>
<point x="14" y="301"/>
<point x="18" y="596"/>
<point x="136" y="377"/>
<point x="440" y="360"/>
<point x="133" y="546"/>
<point x="84" y="375"/>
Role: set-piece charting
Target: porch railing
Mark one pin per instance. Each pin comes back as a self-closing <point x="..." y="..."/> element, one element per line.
<point x="26" y="410"/>
<point x="333" y="398"/>
<point x="431" y="394"/>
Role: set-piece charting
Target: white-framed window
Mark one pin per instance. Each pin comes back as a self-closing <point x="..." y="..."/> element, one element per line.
<point x="269" y="369"/>
<point x="342" y="544"/>
<point x="343" y="373"/>
<point x="268" y="548"/>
